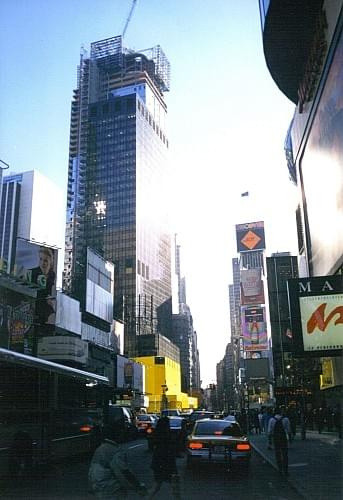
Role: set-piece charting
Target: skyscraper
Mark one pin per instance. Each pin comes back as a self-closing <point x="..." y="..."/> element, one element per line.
<point x="118" y="173"/>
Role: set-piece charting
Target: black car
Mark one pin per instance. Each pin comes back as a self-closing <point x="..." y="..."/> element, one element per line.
<point x="123" y="419"/>
<point x="198" y="415"/>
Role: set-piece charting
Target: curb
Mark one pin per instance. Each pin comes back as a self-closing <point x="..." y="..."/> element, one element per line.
<point x="292" y="483"/>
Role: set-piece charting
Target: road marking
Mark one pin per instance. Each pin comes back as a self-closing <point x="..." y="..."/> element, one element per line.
<point x="135" y="446"/>
<point x="297" y="465"/>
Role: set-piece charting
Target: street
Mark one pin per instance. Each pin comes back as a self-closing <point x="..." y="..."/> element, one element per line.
<point x="69" y="480"/>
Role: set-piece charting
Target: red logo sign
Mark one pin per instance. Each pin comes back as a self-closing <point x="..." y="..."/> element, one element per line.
<point x="318" y="318"/>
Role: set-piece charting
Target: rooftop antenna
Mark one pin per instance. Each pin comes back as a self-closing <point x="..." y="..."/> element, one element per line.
<point x="129" y="17"/>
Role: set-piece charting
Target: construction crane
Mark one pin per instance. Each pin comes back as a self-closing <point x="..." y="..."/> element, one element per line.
<point x="129" y="17"/>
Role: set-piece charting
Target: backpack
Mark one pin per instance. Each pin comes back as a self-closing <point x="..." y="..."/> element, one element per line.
<point x="279" y="433"/>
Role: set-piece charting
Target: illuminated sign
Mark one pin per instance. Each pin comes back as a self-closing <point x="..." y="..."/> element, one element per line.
<point x="316" y="310"/>
<point x="254" y="329"/>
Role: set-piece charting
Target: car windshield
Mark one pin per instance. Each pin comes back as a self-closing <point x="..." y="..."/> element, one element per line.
<point x="198" y="416"/>
<point x="217" y="428"/>
<point x="143" y="418"/>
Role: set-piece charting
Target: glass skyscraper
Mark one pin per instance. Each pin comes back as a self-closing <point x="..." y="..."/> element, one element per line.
<point x="118" y="183"/>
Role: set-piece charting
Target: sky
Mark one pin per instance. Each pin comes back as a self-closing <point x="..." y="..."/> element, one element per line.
<point x="227" y="122"/>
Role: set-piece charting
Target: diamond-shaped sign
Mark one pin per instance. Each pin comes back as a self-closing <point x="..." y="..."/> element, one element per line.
<point x="250" y="240"/>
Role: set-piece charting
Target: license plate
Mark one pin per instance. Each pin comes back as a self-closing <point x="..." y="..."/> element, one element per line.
<point x="218" y="449"/>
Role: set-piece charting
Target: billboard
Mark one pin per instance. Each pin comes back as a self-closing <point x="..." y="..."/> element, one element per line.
<point x="254" y="329"/>
<point x="250" y="236"/>
<point x="321" y="168"/>
<point x="99" y="286"/>
<point x="316" y="311"/>
<point x="257" y="369"/>
<point x="37" y="264"/>
<point x="129" y="374"/>
<point x="252" y="292"/>
<point x="63" y="348"/>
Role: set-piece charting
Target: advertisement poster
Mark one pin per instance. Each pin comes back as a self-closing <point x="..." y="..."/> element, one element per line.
<point x="316" y="312"/>
<point x="254" y="329"/>
<point x="322" y="322"/>
<point x="252" y="292"/>
<point x="37" y="264"/>
<point x="20" y="327"/>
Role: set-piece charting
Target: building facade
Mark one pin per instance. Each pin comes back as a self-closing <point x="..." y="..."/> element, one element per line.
<point x="118" y="173"/>
<point x="305" y="59"/>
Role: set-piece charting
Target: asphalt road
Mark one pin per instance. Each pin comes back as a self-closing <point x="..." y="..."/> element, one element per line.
<point x="68" y="481"/>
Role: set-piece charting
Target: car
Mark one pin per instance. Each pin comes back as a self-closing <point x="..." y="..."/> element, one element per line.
<point x="198" y="415"/>
<point x="171" y="413"/>
<point x="230" y="418"/>
<point x="124" y="420"/>
<point x="179" y="433"/>
<point x="217" y="441"/>
<point x="143" y="422"/>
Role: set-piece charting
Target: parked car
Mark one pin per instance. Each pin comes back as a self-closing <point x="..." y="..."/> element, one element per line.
<point x="124" y="421"/>
<point x="217" y="441"/>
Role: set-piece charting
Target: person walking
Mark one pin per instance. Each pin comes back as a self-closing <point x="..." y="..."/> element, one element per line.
<point x="109" y="476"/>
<point x="279" y="431"/>
<point x="164" y="459"/>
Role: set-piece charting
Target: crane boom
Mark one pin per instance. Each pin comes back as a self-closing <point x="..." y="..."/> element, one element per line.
<point x="129" y="17"/>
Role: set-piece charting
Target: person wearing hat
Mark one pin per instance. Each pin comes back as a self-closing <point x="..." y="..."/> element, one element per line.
<point x="109" y="475"/>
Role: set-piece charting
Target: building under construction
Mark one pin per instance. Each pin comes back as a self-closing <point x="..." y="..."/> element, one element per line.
<point x="117" y="178"/>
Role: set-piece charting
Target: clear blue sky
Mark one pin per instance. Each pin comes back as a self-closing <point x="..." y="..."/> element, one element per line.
<point x="227" y="123"/>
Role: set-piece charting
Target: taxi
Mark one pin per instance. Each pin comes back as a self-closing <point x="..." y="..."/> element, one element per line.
<point x="217" y="441"/>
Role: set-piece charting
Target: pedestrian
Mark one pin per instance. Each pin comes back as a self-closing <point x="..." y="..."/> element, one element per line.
<point x="268" y="416"/>
<point x="164" y="459"/>
<point x="109" y="475"/>
<point x="279" y="431"/>
<point x="256" y="422"/>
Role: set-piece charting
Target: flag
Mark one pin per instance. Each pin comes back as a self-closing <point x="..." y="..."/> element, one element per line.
<point x="246" y="193"/>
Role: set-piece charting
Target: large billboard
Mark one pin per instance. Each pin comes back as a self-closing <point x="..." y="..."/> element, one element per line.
<point x="99" y="286"/>
<point x="37" y="264"/>
<point x="251" y="287"/>
<point x="250" y="236"/>
<point x="129" y="374"/>
<point x="63" y="348"/>
<point x="316" y="311"/>
<point x="254" y="329"/>
<point x="321" y="168"/>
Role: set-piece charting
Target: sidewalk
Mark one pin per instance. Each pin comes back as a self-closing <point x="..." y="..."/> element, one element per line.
<point x="315" y="464"/>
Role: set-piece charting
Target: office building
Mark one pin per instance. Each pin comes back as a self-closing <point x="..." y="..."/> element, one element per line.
<point x="118" y="172"/>
<point x="184" y="335"/>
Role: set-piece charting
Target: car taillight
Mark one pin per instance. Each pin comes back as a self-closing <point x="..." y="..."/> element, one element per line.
<point x="195" y="446"/>
<point x="218" y="433"/>
<point x="85" y="428"/>
<point x="243" y="447"/>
